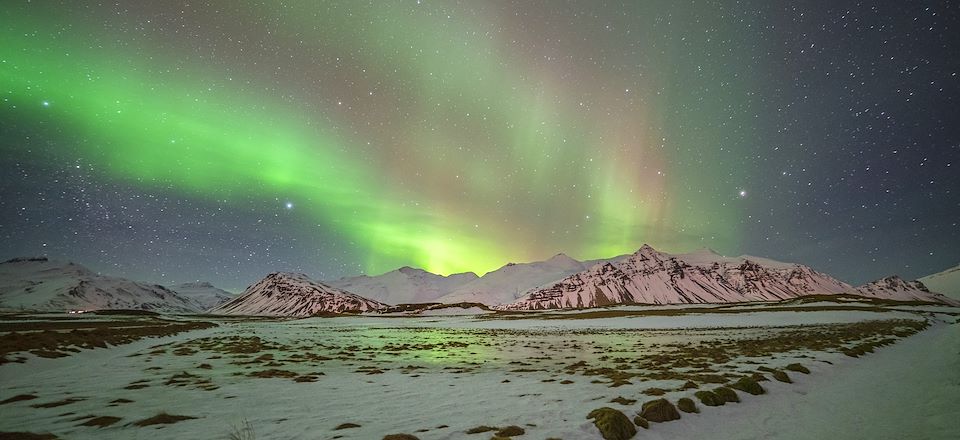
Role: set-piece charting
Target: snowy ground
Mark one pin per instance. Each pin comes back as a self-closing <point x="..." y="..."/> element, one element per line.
<point x="905" y="391"/>
<point x="436" y="377"/>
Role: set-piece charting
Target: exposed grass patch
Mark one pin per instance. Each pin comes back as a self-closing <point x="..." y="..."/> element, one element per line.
<point x="798" y="368"/>
<point x="63" y="402"/>
<point x="641" y="422"/>
<point x="510" y="431"/>
<point x="101" y="422"/>
<point x="400" y="437"/>
<point x="273" y="372"/>
<point x="57" y="339"/>
<point x="162" y="419"/>
<point x="748" y="385"/>
<point x="709" y="398"/>
<point x="26" y="436"/>
<point x="687" y="405"/>
<point x="660" y="410"/>
<point x="623" y="401"/>
<point x="613" y="424"/>
<point x="481" y="429"/>
<point x="726" y="394"/>
<point x="346" y="426"/>
<point x="308" y="377"/>
<point x="782" y="376"/>
<point x="18" y="398"/>
<point x="654" y="391"/>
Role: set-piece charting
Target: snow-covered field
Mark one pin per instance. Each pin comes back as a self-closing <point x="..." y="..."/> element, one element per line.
<point x="436" y="377"/>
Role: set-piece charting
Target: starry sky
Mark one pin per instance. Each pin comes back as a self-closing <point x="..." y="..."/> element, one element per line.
<point x="177" y="141"/>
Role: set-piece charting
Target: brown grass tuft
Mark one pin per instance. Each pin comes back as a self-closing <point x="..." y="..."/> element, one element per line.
<point x="510" y="431"/>
<point x="687" y="405"/>
<point x="613" y="424"/>
<point x="101" y="422"/>
<point x="26" y="436"/>
<point x="660" y="410"/>
<point x="481" y="429"/>
<point x="162" y="419"/>
<point x="18" y="398"/>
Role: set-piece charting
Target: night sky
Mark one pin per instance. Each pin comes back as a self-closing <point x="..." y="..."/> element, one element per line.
<point x="177" y="141"/>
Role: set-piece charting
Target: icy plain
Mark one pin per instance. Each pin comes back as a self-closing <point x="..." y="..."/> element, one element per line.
<point x="436" y="377"/>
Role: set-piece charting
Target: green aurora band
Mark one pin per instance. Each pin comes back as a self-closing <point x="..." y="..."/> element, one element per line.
<point x="447" y="151"/>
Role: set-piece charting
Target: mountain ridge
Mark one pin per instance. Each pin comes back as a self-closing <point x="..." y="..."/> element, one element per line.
<point x="646" y="276"/>
<point x="297" y="295"/>
<point x="651" y="277"/>
<point x="43" y="284"/>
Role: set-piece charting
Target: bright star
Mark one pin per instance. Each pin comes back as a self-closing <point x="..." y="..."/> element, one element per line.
<point x="743" y="193"/>
<point x="46" y="103"/>
<point x="289" y="205"/>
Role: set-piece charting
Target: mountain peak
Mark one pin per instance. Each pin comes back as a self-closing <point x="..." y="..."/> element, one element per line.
<point x="646" y="249"/>
<point x="562" y="258"/>
<point x="39" y="283"/>
<point x="407" y="270"/>
<point x="294" y="294"/>
<point x="471" y="275"/>
<point x="896" y="286"/>
<point x="46" y="264"/>
<point x="294" y="275"/>
<point x="652" y="277"/>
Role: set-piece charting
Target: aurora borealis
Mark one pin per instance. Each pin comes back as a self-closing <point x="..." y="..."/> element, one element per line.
<point x="175" y="141"/>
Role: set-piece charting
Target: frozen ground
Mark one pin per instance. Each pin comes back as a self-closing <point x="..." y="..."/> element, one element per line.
<point x="436" y="377"/>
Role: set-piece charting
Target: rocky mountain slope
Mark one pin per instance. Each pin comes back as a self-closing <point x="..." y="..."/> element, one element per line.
<point x="894" y="287"/>
<point x="294" y="294"/>
<point x="652" y="277"/>
<point x="403" y="286"/>
<point x="41" y="284"/>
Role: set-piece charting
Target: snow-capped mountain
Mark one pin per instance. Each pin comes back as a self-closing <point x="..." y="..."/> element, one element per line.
<point x="403" y="286"/>
<point x="294" y="294"/>
<point x="894" y="287"/>
<point x="205" y="295"/>
<point x="509" y="282"/>
<point x="651" y="277"/>
<point x="47" y="285"/>
<point x="946" y="282"/>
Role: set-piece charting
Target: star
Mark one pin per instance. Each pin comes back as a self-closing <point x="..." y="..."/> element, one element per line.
<point x="534" y="148"/>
